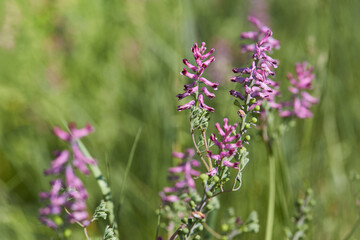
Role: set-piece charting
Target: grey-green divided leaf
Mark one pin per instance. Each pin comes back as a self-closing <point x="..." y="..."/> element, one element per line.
<point x="109" y="234"/>
<point x="100" y="211"/>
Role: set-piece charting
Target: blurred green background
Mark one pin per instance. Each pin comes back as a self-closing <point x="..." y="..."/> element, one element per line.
<point x="115" y="64"/>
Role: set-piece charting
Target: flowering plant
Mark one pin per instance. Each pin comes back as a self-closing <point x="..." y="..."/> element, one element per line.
<point x="223" y="156"/>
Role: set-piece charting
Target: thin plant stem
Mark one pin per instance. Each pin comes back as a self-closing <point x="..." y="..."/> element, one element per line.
<point x="86" y="234"/>
<point x="356" y="225"/>
<point x="206" y="146"/>
<point x="196" y="147"/>
<point x="104" y="188"/>
<point x="212" y="231"/>
<point x="131" y="157"/>
<point x="158" y="224"/>
<point x="271" y="202"/>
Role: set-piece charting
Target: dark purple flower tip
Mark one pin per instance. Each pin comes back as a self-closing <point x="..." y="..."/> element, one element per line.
<point x="239" y="79"/>
<point x="242" y="70"/>
<point x="237" y="94"/>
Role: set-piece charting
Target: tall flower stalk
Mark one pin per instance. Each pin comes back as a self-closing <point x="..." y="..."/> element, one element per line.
<point x="257" y="88"/>
<point x="68" y="195"/>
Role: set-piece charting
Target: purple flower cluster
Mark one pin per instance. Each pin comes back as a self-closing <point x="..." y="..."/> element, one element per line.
<point x="182" y="174"/>
<point x="228" y="146"/>
<point x="202" y="60"/>
<point x="258" y="84"/>
<point x="69" y="194"/>
<point x="257" y="36"/>
<point x="302" y="100"/>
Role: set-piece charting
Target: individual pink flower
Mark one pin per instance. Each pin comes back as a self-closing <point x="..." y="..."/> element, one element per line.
<point x="301" y="99"/>
<point x="202" y="60"/>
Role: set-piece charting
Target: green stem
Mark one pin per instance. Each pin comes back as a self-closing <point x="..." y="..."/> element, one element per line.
<point x="356" y="225"/>
<point x="105" y="190"/>
<point x="271" y="202"/>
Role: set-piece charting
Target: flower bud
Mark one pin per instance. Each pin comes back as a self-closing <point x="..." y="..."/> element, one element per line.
<point x="204" y="177"/>
<point x="254" y="120"/>
<point x="224" y="227"/>
<point x="216" y="178"/>
<point x="184" y="220"/>
<point x="67" y="233"/>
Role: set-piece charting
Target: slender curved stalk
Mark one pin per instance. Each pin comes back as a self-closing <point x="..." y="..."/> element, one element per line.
<point x="105" y="190"/>
<point x="271" y="202"/>
<point x="192" y="131"/>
